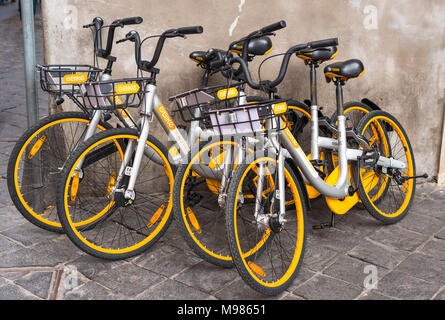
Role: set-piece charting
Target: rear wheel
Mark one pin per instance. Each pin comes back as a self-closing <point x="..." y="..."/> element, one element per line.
<point x="386" y="192"/>
<point x="36" y="163"/>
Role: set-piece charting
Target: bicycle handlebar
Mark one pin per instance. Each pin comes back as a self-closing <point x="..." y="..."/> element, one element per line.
<point x="98" y="25"/>
<point x="133" y="36"/>
<point x="274" y="27"/>
<point x="284" y="64"/>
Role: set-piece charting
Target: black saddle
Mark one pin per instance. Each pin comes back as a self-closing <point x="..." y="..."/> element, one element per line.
<point x="344" y="70"/>
<point x="318" y="55"/>
<point x="256" y="47"/>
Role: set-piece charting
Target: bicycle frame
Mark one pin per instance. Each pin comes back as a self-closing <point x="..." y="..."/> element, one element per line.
<point x="153" y="106"/>
<point x="292" y="150"/>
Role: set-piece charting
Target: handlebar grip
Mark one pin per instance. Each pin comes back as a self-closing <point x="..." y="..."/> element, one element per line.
<point x="191" y="30"/>
<point x="323" y="43"/>
<point x="274" y="27"/>
<point x="129" y="21"/>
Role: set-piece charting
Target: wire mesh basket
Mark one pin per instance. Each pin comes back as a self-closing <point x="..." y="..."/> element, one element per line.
<point x="248" y="118"/>
<point x="65" y="78"/>
<point x="114" y="94"/>
<point x="194" y="103"/>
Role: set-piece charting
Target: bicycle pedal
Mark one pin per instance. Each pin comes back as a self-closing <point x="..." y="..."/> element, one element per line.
<point x="322" y="226"/>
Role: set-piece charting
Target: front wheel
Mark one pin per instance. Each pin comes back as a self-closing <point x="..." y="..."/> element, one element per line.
<point x="90" y="196"/>
<point x="273" y="268"/>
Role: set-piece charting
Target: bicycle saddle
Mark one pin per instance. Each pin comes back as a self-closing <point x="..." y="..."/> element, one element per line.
<point x="205" y="57"/>
<point x="319" y="55"/>
<point x="256" y="47"/>
<point x="344" y="70"/>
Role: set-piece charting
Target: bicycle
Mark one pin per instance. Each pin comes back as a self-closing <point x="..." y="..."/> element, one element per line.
<point x="103" y="204"/>
<point x="39" y="154"/>
<point x="199" y="211"/>
<point x="378" y="153"/>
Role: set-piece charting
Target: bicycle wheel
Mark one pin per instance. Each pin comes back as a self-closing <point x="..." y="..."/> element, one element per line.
<point x="271" y="270"/>
<point x="196" y="206"/>
<point x="42" y="151"/>
<point x="95" y="215"/>
<point x="387" y="193"/>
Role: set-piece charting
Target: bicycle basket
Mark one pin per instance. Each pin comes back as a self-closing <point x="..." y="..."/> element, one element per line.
<point x="194" y="103"/>
<point x="248" y="118"/>
<point x="114" y="94"/>
<point x="65" y="78"/>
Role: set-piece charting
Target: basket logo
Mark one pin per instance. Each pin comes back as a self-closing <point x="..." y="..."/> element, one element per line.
<point x="75" y="78"/>
<point x="166" y="117"/>
<point x="227" y="93"/>
<point x="291" y="137"/>
<point x="127" y="88"/>
<point x="279" y="108"/>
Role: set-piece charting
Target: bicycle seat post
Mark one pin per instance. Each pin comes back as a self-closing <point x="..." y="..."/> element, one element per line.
<point x="314" y="112"/>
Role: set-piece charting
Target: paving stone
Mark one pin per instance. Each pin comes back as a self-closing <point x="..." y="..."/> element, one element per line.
<point x="399" y="238"/>
<point x="28" y="234"/>
<point x="325" y="288"/>
<point x="13" y="275"/>
<point x="441" y="234"/>
<point x="172" y="290"/>
<point x="378" y="254"/>
<point x="167" y="261"/>
<point x="358" y="222"/>
<point x="435" y="248"/>
<point x="37" y="283"/>
<point x="441" y="295"/>
<point x="50" y="253"/>
<point x="2" y="281"/>
<point x="351" y="270"/>
<point x="421" y="223"/>
<point x="430" y="208"/>
<point x="375" y="296"/>
<point x="4" y="194"/>
<point x="14" y="292"/>
<point x="91" y="291"/>
<point x="437" y="194"/>
<point x="92" y="267"/>
<point x="291" y="296"/>
<point x="334" y="239"/>
<point x="207" y="277"/>
<point x="10" y="217"/>
<point x="406" y="287"/>
<point x="239" y="290"/>
<point x="128" y="279"/>
<point x="316" y="258"/>
<point x="7" y="246"/>
<point x="424" y="267"/>
<point x="302" y="276"/>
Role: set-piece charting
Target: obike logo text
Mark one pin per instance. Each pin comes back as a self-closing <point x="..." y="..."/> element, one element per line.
<point x="227" y="93"/>
<point x="75" y="78"/>
<point x="291" y="137"/>
<point x="166" y="117"/>
<point x="279" y="108"/>
<point x="127" y="88"/>
<point x="118" y="100"/>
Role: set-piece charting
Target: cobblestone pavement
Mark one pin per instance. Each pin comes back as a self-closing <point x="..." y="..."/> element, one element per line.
<point x="35" y="264"/>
